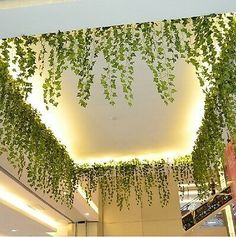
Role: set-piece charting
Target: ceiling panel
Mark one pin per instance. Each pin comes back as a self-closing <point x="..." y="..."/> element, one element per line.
<point x="77" y="14"/>
<point x="13" y="223"/>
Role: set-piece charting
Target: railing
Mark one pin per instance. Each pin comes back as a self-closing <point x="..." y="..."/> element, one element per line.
<point x="215" y="203"/>
<point x="189" y="206"/>
<point x="217" y="220"/>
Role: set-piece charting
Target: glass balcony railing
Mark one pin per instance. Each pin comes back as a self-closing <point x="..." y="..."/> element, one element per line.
<point x="202" y="210"/>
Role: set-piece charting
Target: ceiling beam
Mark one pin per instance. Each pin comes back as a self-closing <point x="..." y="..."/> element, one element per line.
<point x="80" y="14"/>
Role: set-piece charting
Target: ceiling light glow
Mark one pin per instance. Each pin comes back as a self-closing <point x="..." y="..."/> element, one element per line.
<point x="16" y="202"/>
<point x="168" y="156"/>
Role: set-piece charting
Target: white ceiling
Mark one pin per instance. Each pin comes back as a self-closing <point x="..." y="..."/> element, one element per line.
<point x="13" y="216"/>
<point x="60" y="213"/>
<point x="26" y="17"/>
<point x="149" y="128"/>
<point x="11" y="219"/>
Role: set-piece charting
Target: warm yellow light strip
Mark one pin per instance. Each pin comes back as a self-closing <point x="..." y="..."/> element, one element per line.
<point x="91" y="203"/>
<point x="168" y="156"/>
<point x="16" y="202"/>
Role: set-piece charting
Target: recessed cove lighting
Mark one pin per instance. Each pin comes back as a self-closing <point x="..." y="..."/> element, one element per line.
<point x="13" y="200"/>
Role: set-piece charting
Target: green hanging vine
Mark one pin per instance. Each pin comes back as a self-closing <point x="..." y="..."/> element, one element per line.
<point x="207" y="42"/>
<point x="29" y="145"/>
<point x="52" y="54"/>
<point x="117" y="180"/>
<point x="220" y="114"/>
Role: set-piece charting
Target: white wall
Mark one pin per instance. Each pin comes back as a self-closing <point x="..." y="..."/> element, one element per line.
<point x="147" y="220"/>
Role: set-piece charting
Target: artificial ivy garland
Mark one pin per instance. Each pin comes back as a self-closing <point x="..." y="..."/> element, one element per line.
<point x="116" y="180"/>
<point x="207" y="42"/>
<point x="29" y="145"/>
<point x="160" y="45"/>
<point x="220" y="114"/>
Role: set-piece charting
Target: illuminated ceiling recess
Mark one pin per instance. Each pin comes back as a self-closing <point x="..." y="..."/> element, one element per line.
<point x="13" y="200"/>
<point x="36" y="17"/>
<point x="14" y="223"/>
<point x="147" y="130"/>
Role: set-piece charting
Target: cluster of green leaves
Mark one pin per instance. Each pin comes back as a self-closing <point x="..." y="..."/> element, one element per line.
<point x="117" y="180"/>
<point x="30" y="146"/>
<point x="220" y="110"/>
<point x="157" y="43"/>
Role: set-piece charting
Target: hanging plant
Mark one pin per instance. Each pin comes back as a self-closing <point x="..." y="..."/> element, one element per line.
<point x="51" y="54"/>
<point x="220" y="114"/>
<point x="116" y="180"/>
<point x="30" y="146"/>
